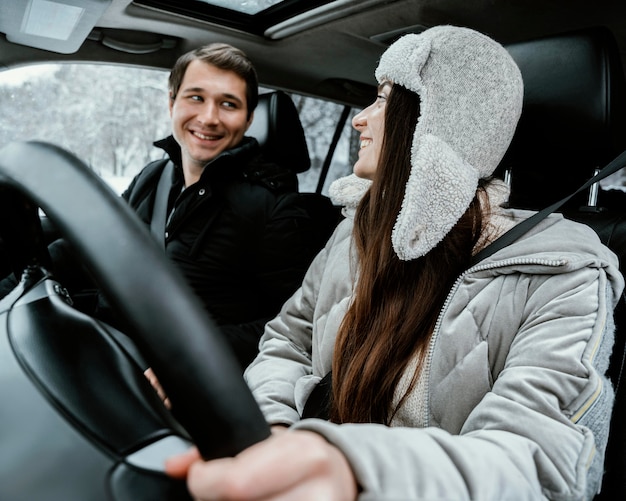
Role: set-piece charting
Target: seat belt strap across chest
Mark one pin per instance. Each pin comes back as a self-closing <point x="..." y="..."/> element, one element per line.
<point x="517" y="231"/>
<point x="161" y="197"/>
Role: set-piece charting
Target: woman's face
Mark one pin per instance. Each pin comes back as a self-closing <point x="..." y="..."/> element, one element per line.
<point x="370" y="123"/>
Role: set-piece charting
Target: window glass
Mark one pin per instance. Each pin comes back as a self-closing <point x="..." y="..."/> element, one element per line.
<point x="244" y="6"/>
<point x="109" y="116"/>
<point x="616" y="181"/>
<point x="106" y="115"/>
<point x="319" y="119"/>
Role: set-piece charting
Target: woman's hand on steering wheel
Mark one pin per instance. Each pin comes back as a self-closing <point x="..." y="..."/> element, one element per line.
<point x="291" y="465"/>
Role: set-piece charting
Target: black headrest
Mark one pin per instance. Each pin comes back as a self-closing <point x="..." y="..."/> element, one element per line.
<point x="573" y="119"/>
<point x="277" y="128"/>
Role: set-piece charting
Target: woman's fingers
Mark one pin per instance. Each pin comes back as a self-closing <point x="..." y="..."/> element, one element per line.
<point x="178" y="466"/>
<point x="297" y="465"/>
<point x="151" y="376"/>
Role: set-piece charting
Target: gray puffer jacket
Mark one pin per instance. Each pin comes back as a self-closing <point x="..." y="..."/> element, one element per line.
<point x="513" y="403"/>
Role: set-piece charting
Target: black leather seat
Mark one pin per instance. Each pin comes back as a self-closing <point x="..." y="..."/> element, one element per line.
<point x="574" y="121"/>
<point x="574" y="116"/>
<point x="277" y="128"/>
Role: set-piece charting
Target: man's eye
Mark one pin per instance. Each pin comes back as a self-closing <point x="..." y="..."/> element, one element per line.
<point x="229" y="104"/>
<point x="195" y="98"/>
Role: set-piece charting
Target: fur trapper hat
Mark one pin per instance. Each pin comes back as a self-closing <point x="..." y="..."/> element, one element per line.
<point x="471" y="93"/>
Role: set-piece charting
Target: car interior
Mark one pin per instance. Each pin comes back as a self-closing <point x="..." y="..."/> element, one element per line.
<point x="574" y="123"/>
<point x="277" y="128"/>
<point x="137" y="433"/>
<point x="84" y="385"/>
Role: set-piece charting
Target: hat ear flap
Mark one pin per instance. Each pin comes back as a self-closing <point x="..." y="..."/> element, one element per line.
<point x="440" y="188"/>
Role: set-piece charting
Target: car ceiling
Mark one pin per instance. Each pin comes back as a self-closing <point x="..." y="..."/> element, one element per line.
<point x="330" y="52"/>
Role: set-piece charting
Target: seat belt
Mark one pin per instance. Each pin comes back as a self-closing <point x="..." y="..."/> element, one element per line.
<point x="318" y="402"/>
<point x="159" y="210"/>
<point x="317" y="405"/>
<point x="518" y="230"/>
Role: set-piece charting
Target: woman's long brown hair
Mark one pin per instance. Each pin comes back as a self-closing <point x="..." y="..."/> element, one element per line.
<point x="395" y="303"/>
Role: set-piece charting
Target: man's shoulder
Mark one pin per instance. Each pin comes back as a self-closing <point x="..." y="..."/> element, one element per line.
<point x="153" y="168"/>
<point x="146" y="179"/>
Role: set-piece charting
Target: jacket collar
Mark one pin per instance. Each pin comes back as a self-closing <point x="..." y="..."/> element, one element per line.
<point x="235" y="158"/>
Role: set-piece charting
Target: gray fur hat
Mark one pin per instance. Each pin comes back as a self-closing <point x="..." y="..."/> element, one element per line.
<point x="470" y="92"/>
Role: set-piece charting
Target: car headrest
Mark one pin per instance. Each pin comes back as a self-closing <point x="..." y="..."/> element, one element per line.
<point x="277" y="128"/>
<point x="573" y="118"/>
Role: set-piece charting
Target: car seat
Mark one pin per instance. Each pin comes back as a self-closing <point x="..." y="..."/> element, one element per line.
<point x="574" y="122"/>
<point x="277" y="128"/>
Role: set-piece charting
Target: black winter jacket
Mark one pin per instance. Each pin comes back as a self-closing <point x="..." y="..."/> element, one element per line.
<point x="241" y="236"/>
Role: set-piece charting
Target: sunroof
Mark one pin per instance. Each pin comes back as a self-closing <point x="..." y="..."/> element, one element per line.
<point x="253" y="16"/>
<point x="244" y="6"/>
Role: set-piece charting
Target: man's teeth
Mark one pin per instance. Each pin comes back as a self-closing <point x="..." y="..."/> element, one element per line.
<point x="366" y="142"/>
<point x="202" y="136"/>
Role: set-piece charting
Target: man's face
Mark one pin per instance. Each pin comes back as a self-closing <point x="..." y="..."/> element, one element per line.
<point x="209" y="113"/>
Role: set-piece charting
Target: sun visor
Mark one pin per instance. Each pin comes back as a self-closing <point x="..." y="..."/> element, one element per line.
<point x="55" y="25"/>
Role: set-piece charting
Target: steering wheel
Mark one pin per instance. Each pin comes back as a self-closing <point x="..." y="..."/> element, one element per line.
<point x="168" y="326"/>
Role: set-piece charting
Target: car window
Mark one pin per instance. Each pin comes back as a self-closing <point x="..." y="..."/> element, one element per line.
<point x="319" y="120"/>
<point x="109" y="116"/>
<point x="106" y="115"/>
